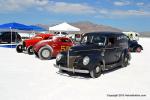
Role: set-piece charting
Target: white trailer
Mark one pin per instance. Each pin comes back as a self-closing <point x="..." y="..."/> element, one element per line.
<point x="132" y="35"/>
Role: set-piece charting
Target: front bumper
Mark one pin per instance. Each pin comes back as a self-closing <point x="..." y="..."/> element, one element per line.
<point x="71" y="69"/>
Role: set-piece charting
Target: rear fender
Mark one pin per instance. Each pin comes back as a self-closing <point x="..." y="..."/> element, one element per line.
<point x="139" y="46"/>
<point x="50" y="48"/>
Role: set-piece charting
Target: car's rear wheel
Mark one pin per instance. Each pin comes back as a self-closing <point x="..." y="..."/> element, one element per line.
<point x="45" y="53"/>
<point x="30" y="50"/>
<point x="138" y="49"/>
<point x="125" y="60"/>
<point x="96" y="71"/>
<point x="19" y="48"/>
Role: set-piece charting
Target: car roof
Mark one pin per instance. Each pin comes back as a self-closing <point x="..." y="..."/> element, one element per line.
<point x="105" y="33"/>
<point x="60" y="37"/>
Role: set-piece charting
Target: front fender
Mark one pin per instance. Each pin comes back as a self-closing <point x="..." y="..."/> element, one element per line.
<point x="94" y="60"/>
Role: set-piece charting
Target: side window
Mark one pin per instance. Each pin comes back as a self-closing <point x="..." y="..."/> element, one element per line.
<point x="98" y="39"/>
<point x="84" y="39"/>
<point x="111" y="41"/>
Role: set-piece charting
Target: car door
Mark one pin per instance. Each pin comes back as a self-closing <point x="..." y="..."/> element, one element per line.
<point x="110" y="51"/>
<point x="118" y="50"/>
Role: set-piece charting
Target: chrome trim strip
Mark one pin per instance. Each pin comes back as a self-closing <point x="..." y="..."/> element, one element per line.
<point x="98" y="49"/>
<point x="71" y="69"/>
<point x="68" y="59"/>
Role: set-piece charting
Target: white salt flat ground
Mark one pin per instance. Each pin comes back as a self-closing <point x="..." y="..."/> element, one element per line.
<point x="24" y="77"/>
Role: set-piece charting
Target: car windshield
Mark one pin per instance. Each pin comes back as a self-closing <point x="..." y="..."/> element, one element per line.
<point x="96" y="39"/>
<point x="65" y="40"/>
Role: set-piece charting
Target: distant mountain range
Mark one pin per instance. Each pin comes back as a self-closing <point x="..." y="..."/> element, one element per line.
<point x="87" y="26"/>
<point x="145" y="34"/>
<point x="91" y="27"/>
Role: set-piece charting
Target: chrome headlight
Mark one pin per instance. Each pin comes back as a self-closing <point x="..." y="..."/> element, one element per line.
<point x="86" y="60"/>
<point x="59" y="56"/>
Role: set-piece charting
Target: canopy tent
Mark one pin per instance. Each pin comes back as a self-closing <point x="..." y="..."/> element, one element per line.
<point x="18" y="26"/>
<point x="14" y="25"/>
<point x="37" y="28"/>
<point x="64" y="27"/>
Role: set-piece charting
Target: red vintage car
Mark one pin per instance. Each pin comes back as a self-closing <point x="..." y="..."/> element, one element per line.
<point x="27" y="45"/>
<point x="47" y="49"/>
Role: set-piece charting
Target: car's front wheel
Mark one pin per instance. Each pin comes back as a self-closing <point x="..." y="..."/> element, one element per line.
<point x="19" y="48"/>
<point x="45" y="53"/>
<point x="30" y="50"/>
<point x="96" y="71"/>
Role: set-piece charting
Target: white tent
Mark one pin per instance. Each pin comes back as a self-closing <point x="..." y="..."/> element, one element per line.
<point x="64" y="27"/>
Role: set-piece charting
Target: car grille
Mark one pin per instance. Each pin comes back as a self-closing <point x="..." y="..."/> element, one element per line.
<point x="72" y="59"/>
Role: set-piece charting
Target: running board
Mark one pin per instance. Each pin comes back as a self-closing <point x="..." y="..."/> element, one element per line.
<point x="110" y="66"/>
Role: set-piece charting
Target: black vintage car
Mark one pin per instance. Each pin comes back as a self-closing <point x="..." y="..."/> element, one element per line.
<point x="134" y="46"/>
<point x="8" y="37"/>
<point x="97" y="52"/>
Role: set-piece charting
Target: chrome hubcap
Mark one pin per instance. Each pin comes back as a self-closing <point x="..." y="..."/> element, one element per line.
<point x="20" y="47"/>
<point x="45" y="53"/>
<point x="126" y="59"/>
<point x="97" y="69"/>
<point x="138" y="49"/>
<point x="31" y="50"/>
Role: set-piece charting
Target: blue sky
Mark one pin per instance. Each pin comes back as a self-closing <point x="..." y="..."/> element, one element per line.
<point x="130" y="15"/>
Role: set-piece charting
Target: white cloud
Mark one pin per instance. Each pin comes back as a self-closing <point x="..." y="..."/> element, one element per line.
<point x="41" y="2"/>
<point x="63" y="7"/>
<point x="121" y="3"/>
<point x="47" y="5"/>
<point x="131" y="13"/>
<point x="71" y="8"/>
<point x="140" y="4"/>
<point x="122" y="13"/>
<point x="14" y="5"/>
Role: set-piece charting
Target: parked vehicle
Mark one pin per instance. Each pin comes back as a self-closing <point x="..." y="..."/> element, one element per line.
<point x="134" y="46"/>
<point x="97" y="52"/>
<point x="133" y="38"/>
<point x="132" y="35"/>
<point x="25" y="36"/>
<point x="9" y="37"/>
<point x="27" y="45"/>
<point x="47" y="49"/>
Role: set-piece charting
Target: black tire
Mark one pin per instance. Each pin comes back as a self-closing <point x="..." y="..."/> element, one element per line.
<point x="96" y="71"/>
<point x="45" y="53"/>
<point x="61" y="71"/>
<point x="125" y="60"/>
<point x="30" y="50"/>
<point x="19" y="48"/>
